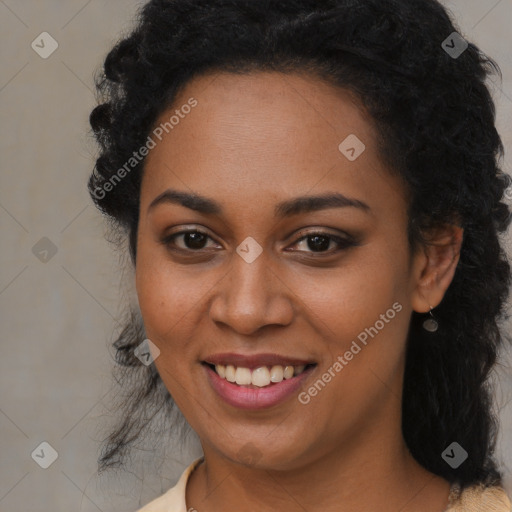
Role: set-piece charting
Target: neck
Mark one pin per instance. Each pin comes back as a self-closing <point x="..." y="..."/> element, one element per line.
<point x="374" y="471"/>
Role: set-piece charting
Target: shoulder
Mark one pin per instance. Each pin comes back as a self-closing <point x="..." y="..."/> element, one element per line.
<point x="174" y="499"/>
<point x="478" y="498"/>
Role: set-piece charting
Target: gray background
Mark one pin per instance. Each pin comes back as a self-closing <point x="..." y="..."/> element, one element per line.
<point x="59" y="316"/>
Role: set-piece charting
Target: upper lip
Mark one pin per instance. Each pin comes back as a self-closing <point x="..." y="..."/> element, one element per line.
<point x="254" y="360"/>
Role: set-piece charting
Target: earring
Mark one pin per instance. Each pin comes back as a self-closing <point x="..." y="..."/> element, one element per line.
<point x="430" y="324"/>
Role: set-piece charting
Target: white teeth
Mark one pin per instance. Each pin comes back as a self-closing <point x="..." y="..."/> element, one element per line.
<point x="243" y="376"/>
<point x="260" y="377"/>
<point x="288" y="372"/>
<point x="221" y="370"/>
<point x="230" y="373"/>
<point x="276" y="373"/>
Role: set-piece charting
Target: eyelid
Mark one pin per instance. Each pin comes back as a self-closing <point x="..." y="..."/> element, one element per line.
<point x="310" y="231"/>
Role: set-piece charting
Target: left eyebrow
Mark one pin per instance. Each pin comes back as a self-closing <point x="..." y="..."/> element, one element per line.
<point x="305" y="204"/>
<point x="302" y="204"/>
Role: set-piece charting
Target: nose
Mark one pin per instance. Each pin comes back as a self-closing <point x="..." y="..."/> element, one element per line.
<point x="251" y="296"/>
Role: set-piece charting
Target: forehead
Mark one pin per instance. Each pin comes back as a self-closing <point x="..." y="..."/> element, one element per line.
<point x="264" y="134"/>
<point x="273" y="108"/>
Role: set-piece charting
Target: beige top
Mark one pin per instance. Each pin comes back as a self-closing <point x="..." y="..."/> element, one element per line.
<point x="472" y="499"/>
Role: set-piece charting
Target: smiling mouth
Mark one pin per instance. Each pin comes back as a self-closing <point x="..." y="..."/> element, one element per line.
<point x="262" y="376"/>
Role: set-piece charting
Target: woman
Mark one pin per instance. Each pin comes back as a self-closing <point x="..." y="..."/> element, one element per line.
<point x="312" y="199"/>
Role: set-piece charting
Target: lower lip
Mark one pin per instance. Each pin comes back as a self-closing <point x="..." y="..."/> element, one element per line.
<point x="255" y="398"/>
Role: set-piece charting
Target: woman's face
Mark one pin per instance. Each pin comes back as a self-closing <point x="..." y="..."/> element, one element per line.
<point x="274" y="282"/>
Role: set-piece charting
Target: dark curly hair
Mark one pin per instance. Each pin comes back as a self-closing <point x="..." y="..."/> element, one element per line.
<point x="436" y="123"/>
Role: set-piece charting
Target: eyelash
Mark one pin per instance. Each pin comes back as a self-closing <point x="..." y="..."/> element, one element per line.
<point x="343" y="243"/>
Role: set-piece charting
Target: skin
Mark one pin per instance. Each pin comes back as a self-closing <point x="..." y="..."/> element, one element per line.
<point x="253" y="141"/>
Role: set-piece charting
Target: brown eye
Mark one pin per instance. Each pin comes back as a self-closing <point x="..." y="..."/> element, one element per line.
<point x="191" y="240"/>
<point x="319" y="242"/>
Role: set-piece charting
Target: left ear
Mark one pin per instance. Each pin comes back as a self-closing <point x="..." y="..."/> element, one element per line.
<point x="434" y="266"/>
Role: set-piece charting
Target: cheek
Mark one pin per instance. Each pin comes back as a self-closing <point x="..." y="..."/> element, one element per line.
<point x="361" y="312"/>
<point x="360" y="321"/>
<point x="168" y="302"/>
<point x="167" y="298"/>
<point x="348" y="299"/>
